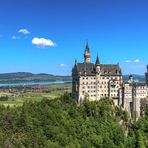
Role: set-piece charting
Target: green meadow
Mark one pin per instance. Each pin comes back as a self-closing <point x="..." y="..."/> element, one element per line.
<point x="18" y="99"/>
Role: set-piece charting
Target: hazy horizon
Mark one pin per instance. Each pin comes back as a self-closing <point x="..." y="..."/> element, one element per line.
<point x="61" y="75"/>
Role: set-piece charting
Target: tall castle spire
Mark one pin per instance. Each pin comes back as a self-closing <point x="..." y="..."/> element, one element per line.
<point x="97" y="61"/>
<point x="97" y="65"/>
<point x="87" y="54"/>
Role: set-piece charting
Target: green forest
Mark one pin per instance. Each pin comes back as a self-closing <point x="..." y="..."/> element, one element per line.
<point x="61" y="122"/>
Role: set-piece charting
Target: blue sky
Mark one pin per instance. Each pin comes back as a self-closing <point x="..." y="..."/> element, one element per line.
<point x="46" y="36"/>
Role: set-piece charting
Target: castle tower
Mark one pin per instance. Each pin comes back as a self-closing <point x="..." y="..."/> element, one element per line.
<point x="130" y="79"/>
<point x="87" y="54"/>
<point x="97" y="64"/>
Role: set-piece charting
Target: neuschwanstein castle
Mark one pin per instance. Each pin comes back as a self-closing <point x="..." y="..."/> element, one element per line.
<point x="94" y="81"/>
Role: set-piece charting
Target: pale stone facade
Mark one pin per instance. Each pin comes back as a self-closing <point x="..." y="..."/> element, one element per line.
<point x="131" y="95"/>
<point x="94" y="81"/>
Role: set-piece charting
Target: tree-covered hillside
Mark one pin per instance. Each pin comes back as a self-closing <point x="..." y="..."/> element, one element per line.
<point x="62" y="123"/>
<point x="27" y="77"/>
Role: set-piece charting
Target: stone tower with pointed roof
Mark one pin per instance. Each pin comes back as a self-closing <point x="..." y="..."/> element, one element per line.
<point x="97" y="65"/>
<point x="87" y="54"/>
<point x="94" y="81"/>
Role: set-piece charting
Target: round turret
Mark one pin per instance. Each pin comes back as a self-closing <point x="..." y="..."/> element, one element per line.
<point x="130" y="79"/>
<point x="87" y="54"/>
<point x="97" y="65"/>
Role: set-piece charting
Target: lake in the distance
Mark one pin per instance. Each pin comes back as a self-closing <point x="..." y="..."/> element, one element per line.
<point x="34" y="83"/>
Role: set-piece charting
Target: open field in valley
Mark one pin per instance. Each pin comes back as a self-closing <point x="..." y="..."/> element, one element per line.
<point x="17" y="99"/>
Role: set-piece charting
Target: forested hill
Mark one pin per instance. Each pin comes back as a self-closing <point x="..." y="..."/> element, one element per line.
<point x="26" y="76"/>
<point x="62" y="123"/>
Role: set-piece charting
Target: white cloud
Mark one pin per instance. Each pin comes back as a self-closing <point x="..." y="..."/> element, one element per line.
<point x="62" y="65"/>
<point x="42" y="42"/>
<point x="128" y="61"/>
<point x="133" y="61"/>
<point x="137" y="61"/>
<point x="23" y="31"/>
<point x="15" y="37"/>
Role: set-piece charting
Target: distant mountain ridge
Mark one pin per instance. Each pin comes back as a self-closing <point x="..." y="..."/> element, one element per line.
<point x="27" y="76"/>
<point x="135" y="76"/>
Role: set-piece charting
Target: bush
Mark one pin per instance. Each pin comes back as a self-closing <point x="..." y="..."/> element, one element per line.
<point x="4" y="98"/>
